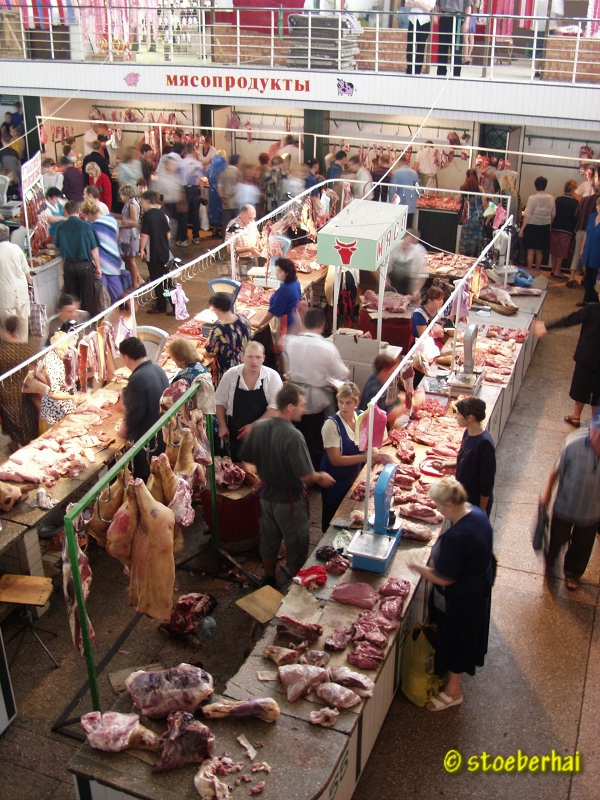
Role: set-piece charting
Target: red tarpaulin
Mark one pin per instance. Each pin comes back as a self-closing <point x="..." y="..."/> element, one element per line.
<point x="255" y="20"/>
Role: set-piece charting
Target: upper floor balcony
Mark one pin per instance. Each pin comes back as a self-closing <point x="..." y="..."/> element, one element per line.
<point x="241" y="52"/>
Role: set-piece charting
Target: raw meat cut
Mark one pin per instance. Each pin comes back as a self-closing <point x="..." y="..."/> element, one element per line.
<point x="181" y="688"/>
<point x="419" y="511"/>
<point x="337" y="696"/>
<point x="114" y="732"/>
<point x="392" y="607"/>
<point x="370" y="632"/>
<point x="250" y="751"/>
<point x="120" y="533"/>
<point x="339" y="639"/>
<point x="280" y="655"/>
<point x="229" y="474"/>
<point x="395" y="586"/>
<point x="9" y="495"/>
<point x="317" y="658"/>
<point x="190" y="611"/>
<point x="361" y="684"/>
<point x="208" y="786"/>
<point x="187" y="741"/>
<point x="181" y="504"/>
<point x="262" y="708"/>
<point x="415" y="531"/>
<point x="258" y="789"/>
<point x="154" y="482"/>
<point x="404" y="481"/>
<point x="375" y="617"/>
<point x="337" y="565"/>
<point x="358" y="493"/>
<point x="365" y="656"/>
<point x="355" y="594"/>
<point x="299" y="679"/>
<point x="327" y="717"/>
<point x="152" y="566"/>
<point x="309" y="631"/>
<point x="396" y="303"/>
<point x="85" y="573"/>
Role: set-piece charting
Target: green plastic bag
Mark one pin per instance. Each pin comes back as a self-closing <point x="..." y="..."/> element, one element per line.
<point x="419" y="681"/>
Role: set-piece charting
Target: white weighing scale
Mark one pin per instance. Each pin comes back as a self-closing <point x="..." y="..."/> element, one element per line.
<point x="467" y="381"/>
<point x="374" y="550"/>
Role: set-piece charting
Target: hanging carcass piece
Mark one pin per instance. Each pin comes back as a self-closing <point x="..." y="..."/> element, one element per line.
<point x="85" y="574"/>
<point x="262" y="708"/>
<point x="114" y="732"/>
<point x="119" y="537"/>
<point x="187" y="741"/>
<point x="152" y="565"/>
<point x="177" y="487"/>
<point x="158" y="693"/>
<point x="107" y="505"/>
<point x="154" y="482"/>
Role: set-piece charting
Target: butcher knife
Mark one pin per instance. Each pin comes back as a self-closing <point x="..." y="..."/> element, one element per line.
<point x="226" y="444"/>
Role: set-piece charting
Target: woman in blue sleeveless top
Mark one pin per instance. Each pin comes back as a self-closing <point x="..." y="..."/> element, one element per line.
<point x="342" y="459"/>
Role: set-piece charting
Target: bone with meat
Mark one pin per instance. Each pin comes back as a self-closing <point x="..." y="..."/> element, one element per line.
<point x="327" y="717"/>
<point x="280" y="655"/>
<point x="421" y="512"/>
<point x="337" y="696"/>
<point x="158" y="693"/>
<point x="309" y="631"/>
<point x="186" y="466"/>
<point x="299" y="679"/>
<point x="114" y="732"/>
<point x="229" y="474"/>
<point x="120" y="533"/>
<point x="106" y="507"/>
<point x="190" y="611"/>
<point x="154" y="482"/>
<point x="370" y="632"/>
<point x="361" y="684"/>
<point x="264" y="708"/>
<point x="339" y="639"/>
<point x="355" y="594"/>
<point x="187" y="741"/>
<point x="152" y="567"/>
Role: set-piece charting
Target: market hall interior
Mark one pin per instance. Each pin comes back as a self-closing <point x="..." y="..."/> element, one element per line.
<point x="538" y="691"/>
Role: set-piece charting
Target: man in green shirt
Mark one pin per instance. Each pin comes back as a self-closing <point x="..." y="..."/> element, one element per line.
<point x="280" y="454"/>
<point x="79" y="250"/>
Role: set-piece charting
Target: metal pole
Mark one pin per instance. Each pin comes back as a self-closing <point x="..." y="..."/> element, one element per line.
<point x="210" y="432"/>
<point x="309" y="39"/>
<point x="377" y="43"/>
<point x="272" y="38"/>
<point x="336" y="296"/>
<point x="237" y="37"/>
<point x="382" y="276"/>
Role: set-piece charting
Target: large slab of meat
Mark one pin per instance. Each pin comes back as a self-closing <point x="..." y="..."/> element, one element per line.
<point x="158" y="693"/>
<point x="337" y="696"/>
<point x="316" y="658"/>
<point x="296" y="628"/>
<point x="187" y="741"/>
<point x="152" y="567"/>
<point x="421" y="512"/>
<point x="114" y="732"/>
<point x="229" y="474"/>
<point x="392" y="606"/>
<point x="378" y="619"/>
<point x="85" y="574"/>
<point x="365" y="656"/>
<point x="392" y="301"/>
<point x="299" y="679"/>
<point x="370" y="632"/>
<point x="405" y="452"/>
<point x="264" y="708"/>
<point x="394" y="587"/>
<point x="416" y="531"/>
<point x="120" y="533"/>
<point x="355" y="594"/>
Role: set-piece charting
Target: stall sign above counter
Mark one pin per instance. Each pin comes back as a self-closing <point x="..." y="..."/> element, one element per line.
<point x="362" y="235"/>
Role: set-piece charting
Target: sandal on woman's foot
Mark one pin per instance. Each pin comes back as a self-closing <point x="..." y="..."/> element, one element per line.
<point x="571" y="584"/>
<point x="574" y="421"/>
<point x="443" y="701"/>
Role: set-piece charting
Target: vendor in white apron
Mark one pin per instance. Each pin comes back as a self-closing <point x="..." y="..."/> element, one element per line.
<point x="246" y="393"/>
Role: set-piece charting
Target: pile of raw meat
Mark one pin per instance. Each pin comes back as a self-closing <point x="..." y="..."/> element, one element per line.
<point x="516" y="334"/>
<point x="392" y="301"/>
<point x="448" y="264"/>
<point x="65" y="450"/>
<point x="253" y="296"/>
<point x="227" y="474"/>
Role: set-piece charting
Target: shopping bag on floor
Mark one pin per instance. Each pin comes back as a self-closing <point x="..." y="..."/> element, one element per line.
<point x="38" y="317"/>
<point x="419" y="681"/>
<point x="541" y="527"/>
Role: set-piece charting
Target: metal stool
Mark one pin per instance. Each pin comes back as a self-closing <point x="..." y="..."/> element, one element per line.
<point x="27" y="590"/>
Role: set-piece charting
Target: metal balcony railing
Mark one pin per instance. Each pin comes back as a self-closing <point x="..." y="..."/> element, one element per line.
<point x="513" y="48"/>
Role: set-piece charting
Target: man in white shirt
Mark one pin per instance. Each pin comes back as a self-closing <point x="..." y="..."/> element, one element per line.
<point x="313" y="362"/>
<point x="246" y="394"/>
<point x="92" y="193"/>
<point x="15" y="281"/>
<point x="362" y="185"/>
<point x="426" y="166"/>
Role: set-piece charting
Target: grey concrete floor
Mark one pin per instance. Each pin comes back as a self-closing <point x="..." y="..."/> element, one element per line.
<point x="537" y="691"/>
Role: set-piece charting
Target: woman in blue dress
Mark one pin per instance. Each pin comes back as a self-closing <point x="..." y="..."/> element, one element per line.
<point x="462" y="574"/>
<point x="282" y="306"/>
<point x="591" y="256"/>
<point x="473" y="223"/>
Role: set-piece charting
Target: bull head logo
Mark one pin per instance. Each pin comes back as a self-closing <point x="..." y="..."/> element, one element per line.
<point x="346" y="250"/>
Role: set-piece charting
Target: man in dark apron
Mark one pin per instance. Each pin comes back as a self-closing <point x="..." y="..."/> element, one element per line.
<point x="245" y="394"/>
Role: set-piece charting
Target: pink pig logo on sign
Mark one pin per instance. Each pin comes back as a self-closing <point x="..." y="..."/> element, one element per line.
<point x="132" y="79"/>
<point x="346" y="250"/>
